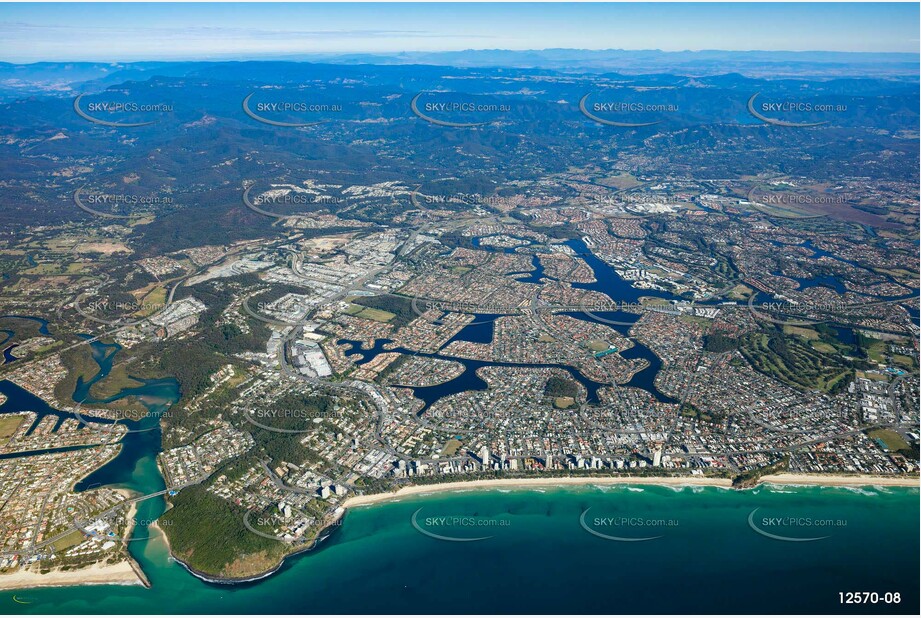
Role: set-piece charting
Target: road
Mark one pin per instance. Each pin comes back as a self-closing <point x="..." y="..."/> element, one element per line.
<point x="80" y="527"/>
<point x="169" y="300"/>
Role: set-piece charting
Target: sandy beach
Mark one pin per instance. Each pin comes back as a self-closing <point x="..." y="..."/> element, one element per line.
<point x="158" y="532"/>
<point x="673" y="481"/>
<point x="124" y="573"/>
<point x="858" y="480"/>
<point x="120" y="573"/>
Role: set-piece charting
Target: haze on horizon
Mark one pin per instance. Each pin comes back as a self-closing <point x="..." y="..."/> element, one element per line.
<point x="202" y="31"/>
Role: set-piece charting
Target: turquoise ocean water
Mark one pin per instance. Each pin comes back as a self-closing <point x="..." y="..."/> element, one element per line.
<point x="536" y="556"/>
<point x="590" y="549"/>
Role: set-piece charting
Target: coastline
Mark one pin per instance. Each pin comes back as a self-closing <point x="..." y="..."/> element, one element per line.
<point x="121" y="573"/>
<point x="129" y="530"/>
<point x="155" y="526"/>
<point x="832" y="480"/>
<point x="213" y="579"/>
<point x="670" y="481"/>
<point x="126" y="572"/>
<point x="330" y="524"/>
<point x="523" y="483"/>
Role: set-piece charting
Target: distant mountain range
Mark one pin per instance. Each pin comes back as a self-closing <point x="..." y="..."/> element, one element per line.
<point x="65" y="77"/>
<point x="688" y="63"/>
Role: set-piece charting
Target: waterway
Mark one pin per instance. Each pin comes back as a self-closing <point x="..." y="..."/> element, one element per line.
<point x="468" y="380"/>
<point x="135" y="466"/>
<point x="539" y="559"/>
<point x="607" y="282"/>
<point x="8" y="335"/>
<point x="708" y="559"/>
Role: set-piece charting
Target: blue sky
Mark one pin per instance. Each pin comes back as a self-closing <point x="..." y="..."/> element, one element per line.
<point x="112" y="32"/>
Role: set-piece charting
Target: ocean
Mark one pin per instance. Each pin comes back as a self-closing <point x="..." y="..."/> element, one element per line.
<point x="569" y="550"/>
<point x="564" y="550"/>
